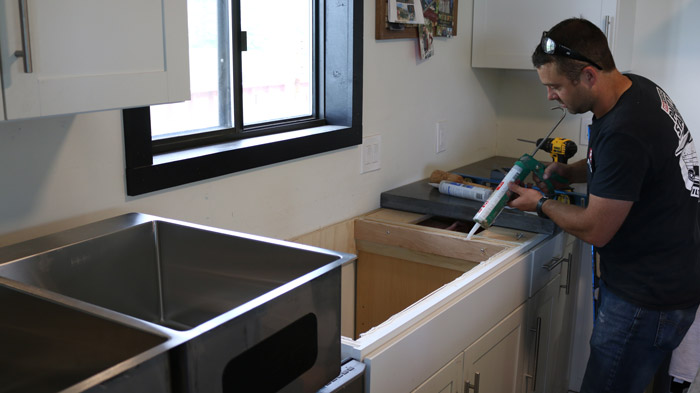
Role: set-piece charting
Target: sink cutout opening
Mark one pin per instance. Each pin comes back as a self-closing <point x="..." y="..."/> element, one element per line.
<point x="276" y="361"/>
<point x="449" y="224"/>
<point x="399" y="265"/>
<point x="386" y="285"/>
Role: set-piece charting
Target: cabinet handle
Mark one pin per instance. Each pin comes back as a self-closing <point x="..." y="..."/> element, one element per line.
<point x="568" y="275"/>
<point x="26" y="51"/>
<point x="554" y="263"/>
<point x="244" y="41"/>
<point x="607" y="22"/>
<point x="475" y="386"/>
<point x="538" y="333"/>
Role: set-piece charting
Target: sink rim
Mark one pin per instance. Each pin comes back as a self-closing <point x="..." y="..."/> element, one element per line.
<point x="18" y="252"/>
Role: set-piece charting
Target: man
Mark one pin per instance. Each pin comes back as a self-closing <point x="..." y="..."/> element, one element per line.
<point x="642" y="213"/>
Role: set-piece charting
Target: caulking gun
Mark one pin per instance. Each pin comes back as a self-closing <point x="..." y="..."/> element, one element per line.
<point x="526" y="164"/>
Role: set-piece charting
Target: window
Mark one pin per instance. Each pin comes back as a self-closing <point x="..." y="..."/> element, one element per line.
<point x="283" y="83"/>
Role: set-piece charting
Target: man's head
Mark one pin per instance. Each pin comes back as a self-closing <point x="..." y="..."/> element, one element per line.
<point x="571" y="45"/>
<point x="571" y="60"/>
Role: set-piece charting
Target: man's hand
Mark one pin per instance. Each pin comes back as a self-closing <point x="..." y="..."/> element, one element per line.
<point x="560" y="169"/>
<point x="525" y="198"/>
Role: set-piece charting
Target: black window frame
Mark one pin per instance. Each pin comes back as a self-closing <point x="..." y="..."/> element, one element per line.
<point x="151" y="167"/>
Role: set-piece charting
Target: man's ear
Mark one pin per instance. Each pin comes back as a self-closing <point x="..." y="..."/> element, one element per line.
<point x="589" y="75"/>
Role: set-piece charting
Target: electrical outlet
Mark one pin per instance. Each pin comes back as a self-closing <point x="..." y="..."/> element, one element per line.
<point x="371" y="154"/>
<point x="441" y="137"/>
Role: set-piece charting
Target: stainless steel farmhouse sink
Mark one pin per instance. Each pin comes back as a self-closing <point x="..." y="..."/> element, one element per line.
<point x="236" y="312"/>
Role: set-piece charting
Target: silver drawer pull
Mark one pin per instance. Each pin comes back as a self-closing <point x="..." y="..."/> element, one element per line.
<point x="568" y="275"/>
<point x="538" y="331"/>
<point x="475" y="386"/>
<point x="26" y="51"/>
<point x="554" y="263"/>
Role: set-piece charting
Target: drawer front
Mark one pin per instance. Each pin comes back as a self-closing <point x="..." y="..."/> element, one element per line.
<point x="546" y="262"/>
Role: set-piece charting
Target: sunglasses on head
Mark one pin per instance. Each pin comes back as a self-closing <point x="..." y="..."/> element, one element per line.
<point x="552" y="48"/>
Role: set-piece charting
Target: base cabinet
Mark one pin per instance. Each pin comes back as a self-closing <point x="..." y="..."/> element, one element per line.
<point x="527" y="351"/>
<point x="494" y="362"/>
<point x="447" y="380"/>
<point x="503" y="325"/>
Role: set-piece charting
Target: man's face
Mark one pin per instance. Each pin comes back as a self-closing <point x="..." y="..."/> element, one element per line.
<point x="573" y="96"/>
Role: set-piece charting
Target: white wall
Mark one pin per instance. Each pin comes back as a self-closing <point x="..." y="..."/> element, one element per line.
<point x="667" y="50"/>
<point x="63" y="171"/>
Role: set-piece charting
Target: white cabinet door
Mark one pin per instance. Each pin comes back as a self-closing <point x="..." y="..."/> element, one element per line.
<point x="617" y="21"/>
<point x="447" y="380"/>
<point x="92" y="55"/>
<point x="544" y="328"/>
<point x="506" y="32"/>
<point x="494" y="363"/>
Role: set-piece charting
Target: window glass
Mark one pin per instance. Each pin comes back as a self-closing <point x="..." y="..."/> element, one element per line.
<point x="276" y="66"/>
<point x="202" y="111"/>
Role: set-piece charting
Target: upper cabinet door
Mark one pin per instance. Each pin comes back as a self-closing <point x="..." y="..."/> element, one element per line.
<point x="506" y="32"/>
<point x="91" y="55"/>
<point x="617" y="21"/>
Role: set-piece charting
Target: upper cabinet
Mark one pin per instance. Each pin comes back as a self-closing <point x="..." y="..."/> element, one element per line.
<point x="618" y="24"/>
<point x="506" y="32"/>
<point x="71" y="56"/>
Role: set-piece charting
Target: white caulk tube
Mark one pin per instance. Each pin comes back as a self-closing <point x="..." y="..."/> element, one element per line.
<point x="493" y="206"/>
<point x="466" y="191"/>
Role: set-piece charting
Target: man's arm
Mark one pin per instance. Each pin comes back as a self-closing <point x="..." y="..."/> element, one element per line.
<point x="575" y="173"/>
<point x="596" y="224"/>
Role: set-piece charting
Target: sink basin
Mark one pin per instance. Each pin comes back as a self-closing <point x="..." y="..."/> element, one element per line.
<point x="220" y="293"/>
<point x="47" y="347"/>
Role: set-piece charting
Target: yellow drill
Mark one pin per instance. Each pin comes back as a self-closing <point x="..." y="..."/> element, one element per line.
<point x="560" y="149"/>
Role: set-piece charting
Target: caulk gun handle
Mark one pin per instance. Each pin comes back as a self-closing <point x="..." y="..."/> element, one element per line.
<point x="559" y="179"/>
<point x="538" y="169"/>
<point x="553" y="177"/>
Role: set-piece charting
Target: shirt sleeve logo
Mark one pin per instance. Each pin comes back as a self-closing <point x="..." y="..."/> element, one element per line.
<point x="687" y="158"/>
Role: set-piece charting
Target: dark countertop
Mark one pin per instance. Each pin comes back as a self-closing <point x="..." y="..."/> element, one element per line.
<point x="421" y="197"/>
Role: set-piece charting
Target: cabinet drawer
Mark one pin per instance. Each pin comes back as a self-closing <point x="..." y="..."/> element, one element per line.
<point x="546" y="262"/>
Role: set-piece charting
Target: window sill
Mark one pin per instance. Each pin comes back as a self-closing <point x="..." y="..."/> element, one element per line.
<point x="187" y="166"/>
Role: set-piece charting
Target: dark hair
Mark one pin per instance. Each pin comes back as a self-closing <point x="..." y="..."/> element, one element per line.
<point x="583" y="37"/>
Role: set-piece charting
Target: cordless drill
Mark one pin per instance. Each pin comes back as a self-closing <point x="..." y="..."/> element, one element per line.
<point x="560" y="149"/>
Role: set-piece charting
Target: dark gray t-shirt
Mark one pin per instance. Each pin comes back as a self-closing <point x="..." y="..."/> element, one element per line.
<point x="642" y="151"/>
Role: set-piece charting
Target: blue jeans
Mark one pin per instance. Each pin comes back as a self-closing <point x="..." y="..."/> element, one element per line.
<point x="629" y="343"/>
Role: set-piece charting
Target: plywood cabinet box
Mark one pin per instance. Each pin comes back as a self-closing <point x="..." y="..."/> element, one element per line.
<point x="431" y="309"/>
